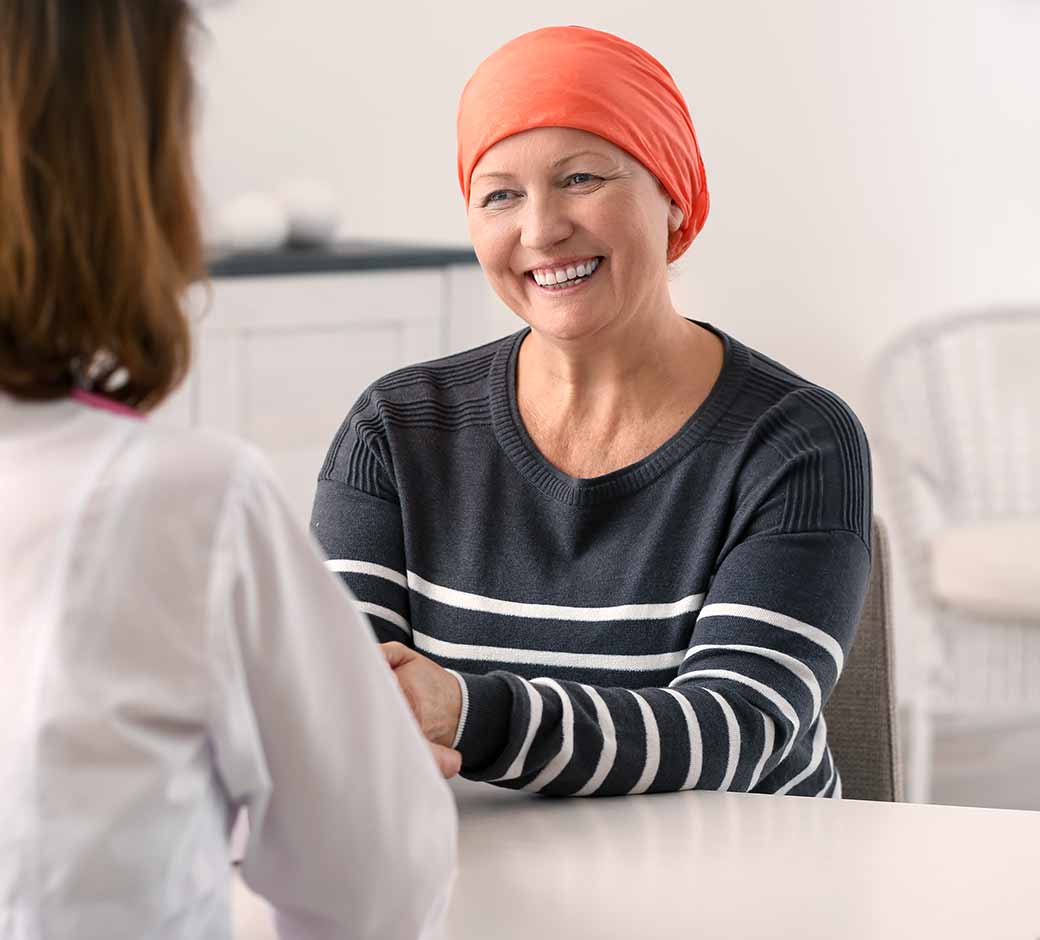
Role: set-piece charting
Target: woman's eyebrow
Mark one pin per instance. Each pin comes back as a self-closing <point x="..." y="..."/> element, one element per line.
<point x="486" y="176"/>
<point x="579" y="153"/>
<point x="554" y="165"/>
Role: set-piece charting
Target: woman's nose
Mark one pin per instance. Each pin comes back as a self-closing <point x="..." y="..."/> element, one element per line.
<point x="544" y="223"/>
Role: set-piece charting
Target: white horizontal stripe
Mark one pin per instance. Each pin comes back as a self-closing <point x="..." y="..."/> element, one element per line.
<point x="818" y="636"/>
<point x="609" y="752"/>
<point x="653" y="746"/>
<point x="818" y="743"/>
<point x="516" y="768"/>
<point x="693" y="726"/>
<point x="733" y="731"/>
<point x="563" y="757"/>
<point x="769" y="735"/>
<point x="354" y="566"/>
<point x="830" y="776"/>
<point x="800" y="669"/>
<point x="384" y="613"/>
<point x="510" y="654"/>
<point x="786" y="709"/>
<point x="494" y="605"/>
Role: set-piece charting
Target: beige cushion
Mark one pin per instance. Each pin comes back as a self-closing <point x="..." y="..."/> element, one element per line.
<point x="990" y="569"/>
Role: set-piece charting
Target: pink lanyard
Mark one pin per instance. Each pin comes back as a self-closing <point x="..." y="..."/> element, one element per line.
<point x="104" y="404"/>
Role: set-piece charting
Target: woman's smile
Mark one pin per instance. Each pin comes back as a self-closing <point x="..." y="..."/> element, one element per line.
<point x="564" y="279"/>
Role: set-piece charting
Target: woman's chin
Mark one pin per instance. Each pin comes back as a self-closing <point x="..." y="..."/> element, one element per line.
<point x="566" y="324"/>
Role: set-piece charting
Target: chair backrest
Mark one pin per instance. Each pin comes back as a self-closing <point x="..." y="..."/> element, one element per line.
<point x="860" y="714"/>
<point x="953" y="405"/>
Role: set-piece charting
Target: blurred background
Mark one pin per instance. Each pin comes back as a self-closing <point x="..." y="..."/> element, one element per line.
<point x="873" y="172"/>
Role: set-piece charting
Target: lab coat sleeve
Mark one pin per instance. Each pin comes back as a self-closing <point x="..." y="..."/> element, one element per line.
<point x="352" y="829"/>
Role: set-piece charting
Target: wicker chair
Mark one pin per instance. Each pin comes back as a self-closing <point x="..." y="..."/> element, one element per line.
<point x="957" y="437"/>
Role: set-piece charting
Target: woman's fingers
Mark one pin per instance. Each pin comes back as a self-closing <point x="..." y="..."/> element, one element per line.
<point x="430" y="690"/>
<point x="449" y="761"/>
<point x="397" y="654"/>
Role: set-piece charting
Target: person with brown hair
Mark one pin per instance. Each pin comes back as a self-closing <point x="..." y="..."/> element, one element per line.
<point x="171" y="646"/>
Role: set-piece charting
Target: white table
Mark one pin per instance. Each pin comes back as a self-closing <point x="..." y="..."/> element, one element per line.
<point x="716" y="865"/>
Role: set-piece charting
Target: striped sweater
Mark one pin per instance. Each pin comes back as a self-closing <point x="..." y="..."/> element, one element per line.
<point x="677" y="623"/>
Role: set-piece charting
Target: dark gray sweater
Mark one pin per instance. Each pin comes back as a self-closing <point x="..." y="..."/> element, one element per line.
<point x="677" y="623"/>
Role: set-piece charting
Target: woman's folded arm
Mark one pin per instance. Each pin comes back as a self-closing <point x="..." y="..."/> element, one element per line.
<point x="742" y="712"/>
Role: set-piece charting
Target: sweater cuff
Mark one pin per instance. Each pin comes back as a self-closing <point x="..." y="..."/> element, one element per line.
<point x="483" y="734"/>
<point x="464" y="714"/>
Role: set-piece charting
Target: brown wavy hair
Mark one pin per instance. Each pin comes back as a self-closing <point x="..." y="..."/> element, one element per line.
<point x="99" y="235"/>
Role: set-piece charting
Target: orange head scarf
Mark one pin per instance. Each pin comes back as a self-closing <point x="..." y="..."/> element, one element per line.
<point x="569" y="76"/>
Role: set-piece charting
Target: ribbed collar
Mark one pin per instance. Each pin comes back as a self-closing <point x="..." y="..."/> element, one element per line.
<point x="528" y="460"/>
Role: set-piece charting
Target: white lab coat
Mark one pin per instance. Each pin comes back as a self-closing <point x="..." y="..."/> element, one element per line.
<point x="172" y="648"/>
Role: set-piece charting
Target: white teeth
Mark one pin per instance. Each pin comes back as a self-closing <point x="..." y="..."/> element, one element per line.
<point x="563" y="275"/>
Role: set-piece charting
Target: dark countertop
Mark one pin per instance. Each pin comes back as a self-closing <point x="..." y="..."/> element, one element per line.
<point x="339" y="257"/>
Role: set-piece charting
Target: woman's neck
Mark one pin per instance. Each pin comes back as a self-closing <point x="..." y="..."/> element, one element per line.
<point x="592" y="413"/>
<point x="622" y="373"/>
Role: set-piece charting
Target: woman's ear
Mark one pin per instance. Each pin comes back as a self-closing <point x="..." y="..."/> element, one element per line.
<point x="675" y="218"/>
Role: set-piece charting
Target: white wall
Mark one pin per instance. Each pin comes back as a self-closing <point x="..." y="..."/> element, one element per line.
<point x="871" y="162"/>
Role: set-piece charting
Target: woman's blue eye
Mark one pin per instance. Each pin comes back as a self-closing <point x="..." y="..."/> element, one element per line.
<point x="504" y="195"/>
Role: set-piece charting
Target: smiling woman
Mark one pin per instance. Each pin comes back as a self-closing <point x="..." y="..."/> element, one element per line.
<point x="570" y="187"/>
<point x="618" y="551"/>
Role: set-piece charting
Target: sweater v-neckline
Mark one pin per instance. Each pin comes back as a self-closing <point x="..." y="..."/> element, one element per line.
<point x="579" y="491"/>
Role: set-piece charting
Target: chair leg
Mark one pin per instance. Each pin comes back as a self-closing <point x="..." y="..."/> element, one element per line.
<point x="919" y="769"/>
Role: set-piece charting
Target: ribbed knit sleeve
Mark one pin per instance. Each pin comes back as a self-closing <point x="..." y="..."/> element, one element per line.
<point x="359" y="455"/>
<point x="743" y="711"/>
<point x="357" y="520"/>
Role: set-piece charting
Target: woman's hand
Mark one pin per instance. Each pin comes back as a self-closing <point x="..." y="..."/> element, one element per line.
<point x="431" y="691"/>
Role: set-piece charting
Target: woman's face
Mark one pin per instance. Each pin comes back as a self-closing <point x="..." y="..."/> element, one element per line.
<point x="554" y="203"/>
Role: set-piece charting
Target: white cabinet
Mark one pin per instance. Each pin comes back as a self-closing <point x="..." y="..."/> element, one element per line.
<point x="279" y="360"/>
